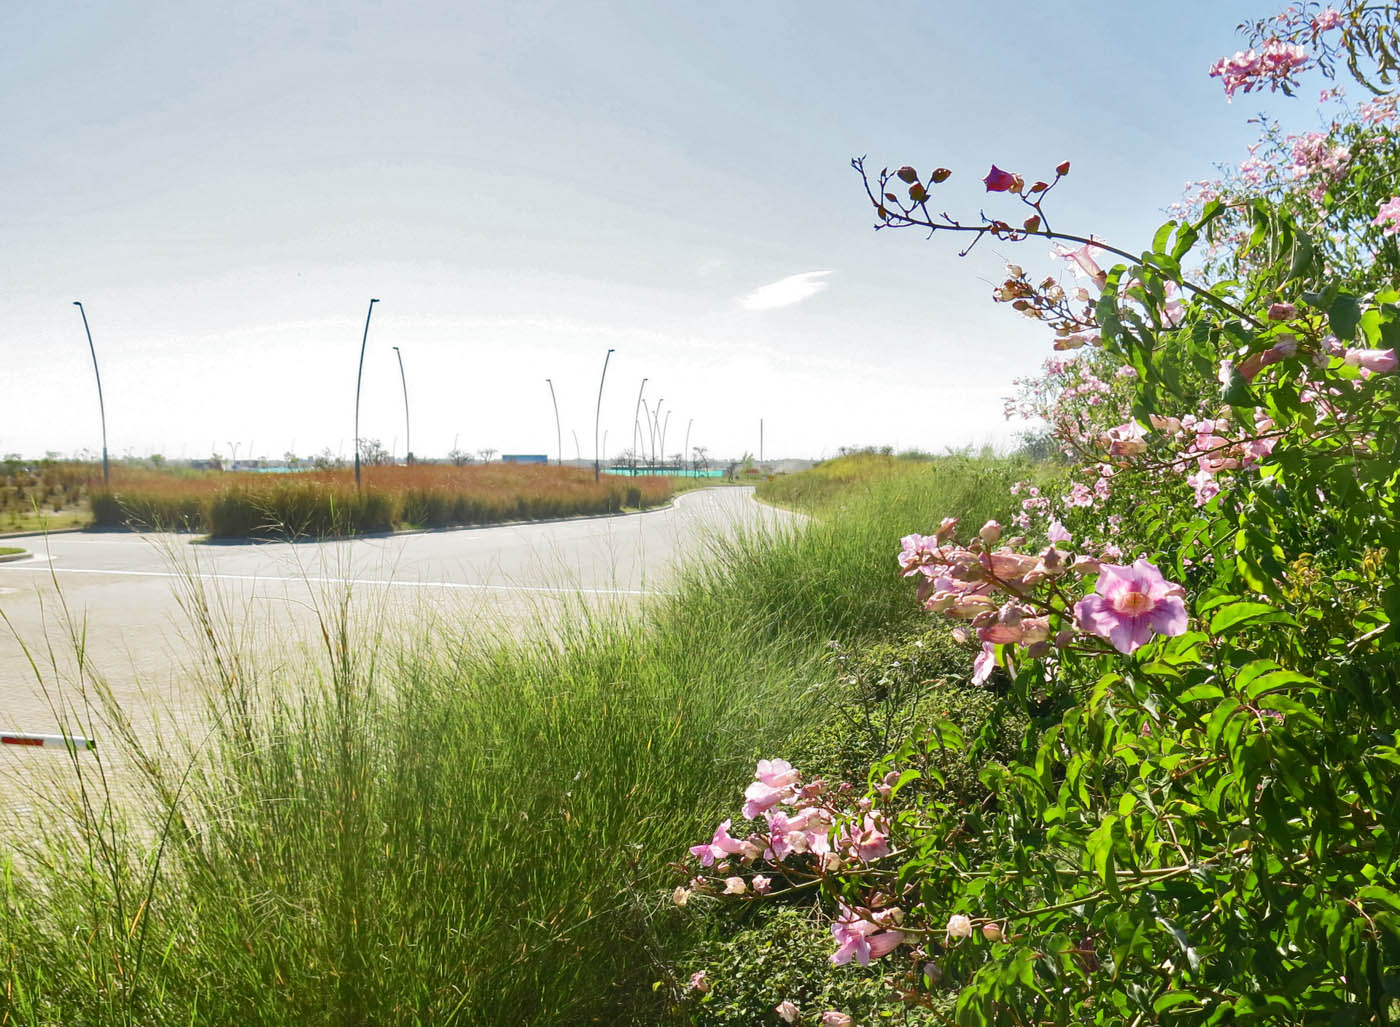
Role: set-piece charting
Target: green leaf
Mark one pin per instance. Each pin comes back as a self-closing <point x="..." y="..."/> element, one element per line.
<point x="1343" y="316"/>
<point x="1173" y="999"/>
<point x="1241" y="613"/>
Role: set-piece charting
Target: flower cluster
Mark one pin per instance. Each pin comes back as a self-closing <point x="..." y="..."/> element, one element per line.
<point x="1274" y="66"/>
<point x="1388" y="217"/>
<point x="1010" y="598"/>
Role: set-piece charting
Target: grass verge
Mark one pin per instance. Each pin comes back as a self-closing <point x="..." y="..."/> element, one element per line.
<point x="455" y="829"/>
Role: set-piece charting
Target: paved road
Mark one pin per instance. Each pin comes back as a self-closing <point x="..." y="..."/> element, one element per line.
<point x="121" y="591"/>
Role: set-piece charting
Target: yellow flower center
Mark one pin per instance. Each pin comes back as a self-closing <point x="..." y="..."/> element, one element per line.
<point x="1134" y="604"/>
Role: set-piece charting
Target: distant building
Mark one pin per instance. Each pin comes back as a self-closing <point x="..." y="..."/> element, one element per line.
<point x="524" y="458"/>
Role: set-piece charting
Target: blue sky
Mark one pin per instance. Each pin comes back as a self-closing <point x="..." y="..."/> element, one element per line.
<point x="524" y="185"/>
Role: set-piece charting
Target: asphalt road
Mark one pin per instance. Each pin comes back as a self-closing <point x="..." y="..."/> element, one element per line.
<point x="121" y="594"/>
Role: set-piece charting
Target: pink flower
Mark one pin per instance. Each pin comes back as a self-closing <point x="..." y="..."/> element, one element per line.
<point x="831" y="1018"/>
<point x="860" y="938"/>
<point x="734" y="886"/>
<point x="983" y="666"/>
<point x="776" y="773"/>
<point x="760" y="797"/>
<point x="720" y="846"/>
<point x="1377" y="361"/>
<point x="698" y="981"/>
<point x="1327" y="18"/>
<point x="1083" y="262"/>
<point x="959" y="926"/>
<point x="1131" y="604"/>
<point x="998" y="181"/>
<point x="1282" y="311"/>
<point x="870" y="842"/>
<point x="787" y="1012"/>
<point x="762" y="884"/>
<point x="1388" y="216"/>
<point x="1273" y="66"/>
<point x="1058" y="533"/>
<point x="991" y="531"/>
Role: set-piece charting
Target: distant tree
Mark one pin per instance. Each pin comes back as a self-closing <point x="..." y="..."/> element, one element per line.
<point x="486" y="454"/>
<point x="216" y="462"/>
<point x="373" y="453"/>
<point x="700" y="457"/>
<point x="460" y="457"/>
<point x="156" y="460"/>
<point x="291" y="459"/>
<point x="326" y="460"/>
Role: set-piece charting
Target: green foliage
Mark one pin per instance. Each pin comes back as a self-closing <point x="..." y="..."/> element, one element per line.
<point x="457" y="829"/>
<point x="754" y="965"/>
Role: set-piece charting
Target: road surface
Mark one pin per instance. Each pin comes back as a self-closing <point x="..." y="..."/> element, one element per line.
<point x="121" y="592"/>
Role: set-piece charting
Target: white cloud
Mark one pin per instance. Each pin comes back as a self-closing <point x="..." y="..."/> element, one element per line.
<point x="785" y="291"/>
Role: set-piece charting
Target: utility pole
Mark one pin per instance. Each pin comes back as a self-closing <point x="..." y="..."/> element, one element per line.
<point x="359" y="376"/>
<point x="101" y="407"/>
<point x="598" y="413"/>
<point x="407" y="437"/>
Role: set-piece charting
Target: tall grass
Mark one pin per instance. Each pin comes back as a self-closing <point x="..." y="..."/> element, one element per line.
<point x="451" y="830"/>
<point x="326" y="503"/>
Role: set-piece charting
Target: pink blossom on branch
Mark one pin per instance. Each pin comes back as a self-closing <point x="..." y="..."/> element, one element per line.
<point x="998" y="181"/>
<point x="860" y="938"/>
<point x="1377" y="361"/>
<point x="1130" y="604"/>
<point x="1388" y="216"/>
<point x="1273" y="66"/>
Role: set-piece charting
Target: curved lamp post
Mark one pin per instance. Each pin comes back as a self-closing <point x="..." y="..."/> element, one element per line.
<point x="558" y="434"/>
<point x="358" y="377"/>
<point x="598" y="413"/>
<point x="637" y="426"/>
<point x="408" y="438"/>
<point x="101" y="407"/>
<point x="685" y="452"/>
<point x="651" y="436"/>
<point x="664" y="425"/>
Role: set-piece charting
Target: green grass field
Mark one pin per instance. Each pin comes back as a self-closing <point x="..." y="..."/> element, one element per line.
<point x="458" y="829"/>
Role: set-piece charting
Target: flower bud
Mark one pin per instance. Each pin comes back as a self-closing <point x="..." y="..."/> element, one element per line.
<point x="991" y="531"/>
<point x="992" y="932"/>
<point x="1062" y="169"/>
<point x="907" y="174"/>
<point x="940" y="175"/>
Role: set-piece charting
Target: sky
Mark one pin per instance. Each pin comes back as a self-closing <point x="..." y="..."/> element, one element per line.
<point x="524" y="185"/>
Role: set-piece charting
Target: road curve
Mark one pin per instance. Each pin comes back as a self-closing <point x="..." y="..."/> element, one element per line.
<point x="121" y="590"/>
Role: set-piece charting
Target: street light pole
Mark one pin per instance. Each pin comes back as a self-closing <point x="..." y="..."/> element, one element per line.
<point x="637" y="426"/>
<point x="359" y="376"/>
<point x="651" y="436"/>
<point x="101" y="407"/>
<point x="685" y="453"/>
<point x="664" y="426"/>
<point x="407" y="436"/>
<point x="558" y="433"/>
<point x="578" y="453"/>
<point x="598" y="413"/>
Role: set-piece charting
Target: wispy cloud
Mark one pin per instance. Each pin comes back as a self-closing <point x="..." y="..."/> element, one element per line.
<point x="785" y="291"/>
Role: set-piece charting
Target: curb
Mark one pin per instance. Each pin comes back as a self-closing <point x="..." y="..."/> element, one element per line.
<point x="11" y="557"/>
<point x="39" y="532"/>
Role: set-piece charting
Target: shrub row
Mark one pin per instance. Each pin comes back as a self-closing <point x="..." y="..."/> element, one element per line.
<point x="327" y="503"/>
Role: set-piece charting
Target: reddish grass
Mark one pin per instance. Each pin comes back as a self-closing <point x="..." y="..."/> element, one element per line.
<point x="322" y="503"/>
